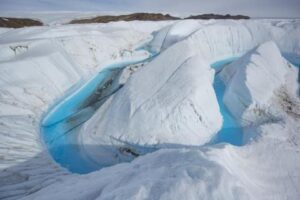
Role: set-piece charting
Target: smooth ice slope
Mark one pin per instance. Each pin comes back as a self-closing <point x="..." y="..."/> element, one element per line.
<point x="218" y="40"/>
<point x="171" y="34"/>
<point x="252" y="81"/>
<point x="178" y="108"/>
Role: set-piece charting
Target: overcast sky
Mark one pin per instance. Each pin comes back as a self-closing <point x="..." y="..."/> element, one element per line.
<point x="253" y="8"/>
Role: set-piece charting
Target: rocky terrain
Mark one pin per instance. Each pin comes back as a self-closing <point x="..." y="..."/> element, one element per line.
<point x="217" y="16"/>
<point x="18" y="22"/>
<point x="152" y="17"/>
<point x="129" y="17"/>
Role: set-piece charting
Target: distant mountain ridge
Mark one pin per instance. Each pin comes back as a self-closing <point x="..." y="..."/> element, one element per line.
<point x="9" y="22"/>
<point x="128" y="17"/>
<point x="152" y="17"/>
<point x="12" y="22"/>
<point x="217" y="16"/>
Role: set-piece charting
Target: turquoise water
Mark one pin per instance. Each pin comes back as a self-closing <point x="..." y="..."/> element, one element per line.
<point x="70" y="104"/>
<point x="292" y="58"/>
<point x="60" y="126"/>
<point x="231" y="131"/>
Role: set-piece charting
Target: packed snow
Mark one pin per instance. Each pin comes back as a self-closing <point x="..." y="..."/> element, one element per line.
<point x="165" y="120"/>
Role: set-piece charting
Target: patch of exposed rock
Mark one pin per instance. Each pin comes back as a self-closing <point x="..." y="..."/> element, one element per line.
<point x="217" y="16"/>
<point x="9" y="22"/>
<point x="129" y="17"/>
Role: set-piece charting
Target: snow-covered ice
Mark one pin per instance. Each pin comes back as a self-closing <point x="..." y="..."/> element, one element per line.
<point x="167" y="108"/>
<point x="252" y="81"/>
<point x="38" y="66"/>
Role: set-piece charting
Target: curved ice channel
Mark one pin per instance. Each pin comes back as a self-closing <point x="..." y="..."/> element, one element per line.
<point x="60" y="125"/>
<point x="62" y="122"/>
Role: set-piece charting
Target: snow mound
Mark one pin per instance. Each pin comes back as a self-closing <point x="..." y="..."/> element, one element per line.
<point x="37" y="66"/>
<point x="171" y="34"/>
<point x="166" y="174"/>
<point x="216" y="40"/>
<point x="233" y="33"/>
<point x="179" y="107"/>
<point x="251" y="83"/>
<point x="222" y="172"/>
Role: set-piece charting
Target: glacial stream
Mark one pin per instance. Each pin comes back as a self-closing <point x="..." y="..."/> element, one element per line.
<point x="62" y="122"/>
<point x="231" y="131"/>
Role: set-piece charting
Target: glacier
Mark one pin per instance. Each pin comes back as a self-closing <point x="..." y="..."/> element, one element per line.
<point x="159" y="136"/>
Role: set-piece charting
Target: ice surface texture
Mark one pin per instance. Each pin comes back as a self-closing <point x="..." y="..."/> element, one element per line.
<point x="39" y="64"/>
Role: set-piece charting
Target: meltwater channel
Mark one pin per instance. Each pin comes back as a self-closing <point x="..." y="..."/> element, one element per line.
<point x="61" y="124"/>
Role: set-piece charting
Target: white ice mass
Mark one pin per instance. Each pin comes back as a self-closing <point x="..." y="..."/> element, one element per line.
<point x="142" y="106"/>
<point x="252" y="82"/>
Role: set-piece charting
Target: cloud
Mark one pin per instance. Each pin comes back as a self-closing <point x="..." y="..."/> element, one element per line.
<point x="254" y="8"/>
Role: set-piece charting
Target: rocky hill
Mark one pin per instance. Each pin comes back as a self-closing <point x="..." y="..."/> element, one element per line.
<point x="18" y="22"/>
<point x="129" y="17"/>
<point x="217" y="16"/>
<point x="10" y="22"/>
